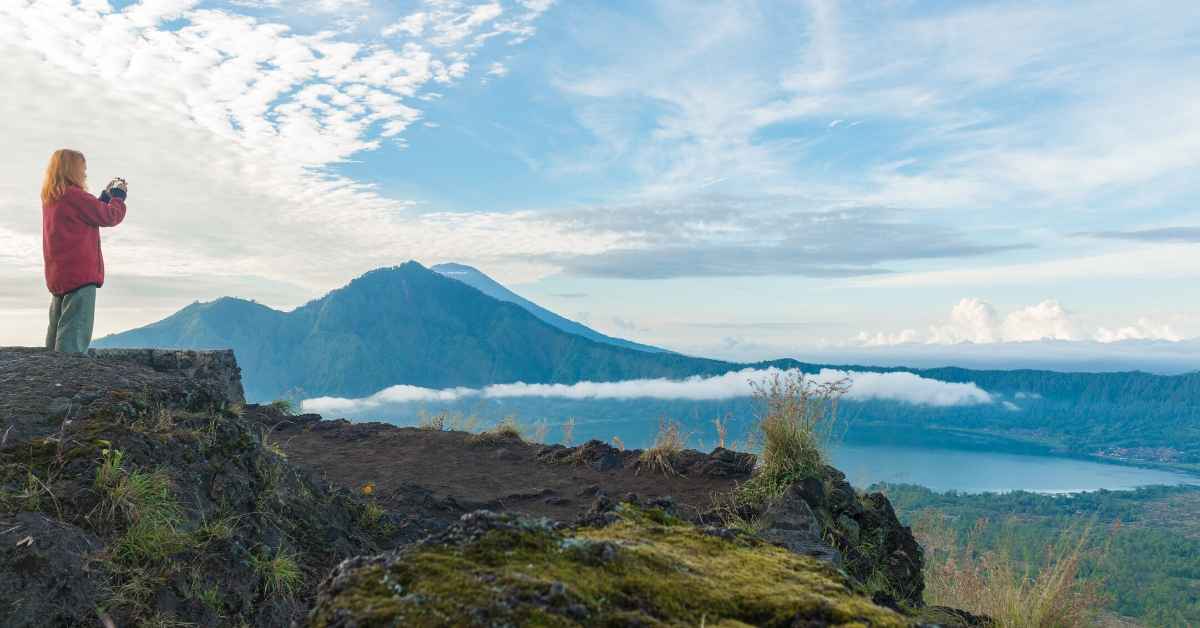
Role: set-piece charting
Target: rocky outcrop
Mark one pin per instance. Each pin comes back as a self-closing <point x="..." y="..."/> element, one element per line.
<point x="131" y="486"/>
<point x="825" y="517"/>
<point x="790" y="523"/>
<point x="43" y="390"/>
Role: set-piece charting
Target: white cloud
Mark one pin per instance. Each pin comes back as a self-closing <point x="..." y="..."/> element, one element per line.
<point x="1144" y="329"/>
<point x="1045" y="321"/>
<point x="976" y="321"/>
<point x="905" y="387"/>
<point x="971" y="320"/>
<point x="884" y="339"/>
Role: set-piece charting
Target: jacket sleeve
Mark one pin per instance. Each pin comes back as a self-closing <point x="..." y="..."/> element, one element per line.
<point x="95" y="212"/>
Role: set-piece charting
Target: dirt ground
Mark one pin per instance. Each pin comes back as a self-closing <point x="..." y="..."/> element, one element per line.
<point x="446" y="473"/>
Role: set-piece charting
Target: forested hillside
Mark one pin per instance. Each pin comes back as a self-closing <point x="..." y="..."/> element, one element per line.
<point x="1144" y="545"/>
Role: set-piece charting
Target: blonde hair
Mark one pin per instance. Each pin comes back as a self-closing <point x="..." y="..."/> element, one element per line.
<point x="66" y="167"/>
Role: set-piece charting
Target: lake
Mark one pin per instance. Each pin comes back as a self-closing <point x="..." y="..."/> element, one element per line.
<point x="974" y="465"/>
<point x="937" y="459"/>
<point x="974" y="471"/>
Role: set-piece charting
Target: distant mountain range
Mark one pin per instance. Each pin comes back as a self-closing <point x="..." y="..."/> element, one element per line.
<point x="412" y="325"/>
<point x="404" y="325"/>
<point x="476" y="279"/>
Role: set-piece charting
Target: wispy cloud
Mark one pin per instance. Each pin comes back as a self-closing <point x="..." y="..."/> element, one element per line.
<point x="1163" y="234"/>
<point x="715" y="235"/>
<point x="904" y="387"/>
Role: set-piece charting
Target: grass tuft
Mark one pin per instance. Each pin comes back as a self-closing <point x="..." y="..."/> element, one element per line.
<point x="722" y="425"/>
<point x="668" y="443"/>
<point x="540" y="430"/>
<point x="797" y="416"/>
<point x="506" y="430"/>
<point x="284" y="406"/>
<point x="432" y="422"/>
<point x="568" y="430"/>
<point x="280" y="573"/>
<point x="372" y="515"/>
<point x="142" y="501"/>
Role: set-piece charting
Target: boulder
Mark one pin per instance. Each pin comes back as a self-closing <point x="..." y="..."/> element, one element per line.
<point x="790" y="523"/>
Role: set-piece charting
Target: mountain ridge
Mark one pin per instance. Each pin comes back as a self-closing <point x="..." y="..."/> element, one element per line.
<point x="402" y="324"/>
<point x="480" y="281"/>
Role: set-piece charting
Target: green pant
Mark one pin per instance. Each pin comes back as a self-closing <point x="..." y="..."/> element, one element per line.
<point x="71" y="318"/>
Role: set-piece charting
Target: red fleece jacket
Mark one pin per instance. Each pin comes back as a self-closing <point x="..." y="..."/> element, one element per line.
<point x="71" y="238"/>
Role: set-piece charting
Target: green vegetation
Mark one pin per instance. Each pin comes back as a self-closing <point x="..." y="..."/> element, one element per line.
<point x="372" y="514"/>
<point x="142" y="502"/>
<point x="284" y="406"/>
<point x="646" y="569"/>
<point x="1141" y="554"/>
<point x="280" y="572"/>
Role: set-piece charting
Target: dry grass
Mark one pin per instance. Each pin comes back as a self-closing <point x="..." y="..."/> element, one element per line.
<point x="453" y="421"/>
<point x="271" y="444"/>
<point x="540" y="431"/>
<point x="667" y="444"/>
<point x="507" y="429"/>
<point x="568" y="429"/>
<point x="431" y="422"/>
<point x="722" y="425"/>
<point x="996" y="584"/>
<point x="618" y="443"/>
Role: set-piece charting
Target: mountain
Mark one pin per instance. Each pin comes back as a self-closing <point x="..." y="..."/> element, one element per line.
<point x="400" y="325"/>
<point x="476" y="279"/>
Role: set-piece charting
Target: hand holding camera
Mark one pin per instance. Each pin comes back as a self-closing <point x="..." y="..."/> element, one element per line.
<point x="117" y="188"/>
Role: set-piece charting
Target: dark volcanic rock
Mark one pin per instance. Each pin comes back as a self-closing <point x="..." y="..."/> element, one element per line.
<point x="44" y="389"/>
<point x="48" y="572"/>
<point x="867" y="533"/>
<point x="726" y="463"/>
<point x="202" y="520"/>
<point x="790" y="523"/>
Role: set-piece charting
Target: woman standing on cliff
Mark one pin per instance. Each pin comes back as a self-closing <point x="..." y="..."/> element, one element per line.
<point x="71" y="221"/>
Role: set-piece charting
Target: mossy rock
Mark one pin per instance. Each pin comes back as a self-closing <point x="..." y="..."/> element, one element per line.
<point x="644" y="570"/>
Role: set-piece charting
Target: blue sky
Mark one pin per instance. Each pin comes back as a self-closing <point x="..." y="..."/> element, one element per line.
<point x="742" y="179"/>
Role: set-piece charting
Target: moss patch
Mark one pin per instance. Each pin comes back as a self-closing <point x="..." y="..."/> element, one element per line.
<point x="643" y="570"/>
